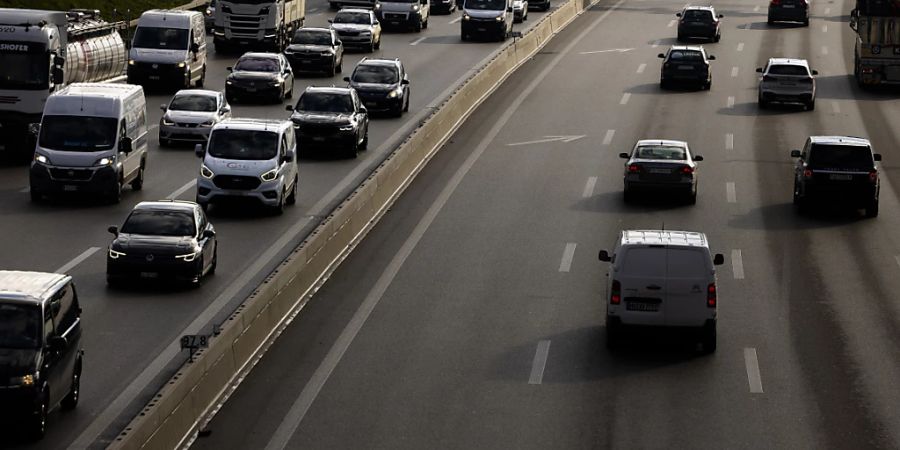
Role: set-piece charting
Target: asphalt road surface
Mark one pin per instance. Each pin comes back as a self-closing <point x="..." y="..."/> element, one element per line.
<point x="131" y="335"/>
<point x="472" y="316"/>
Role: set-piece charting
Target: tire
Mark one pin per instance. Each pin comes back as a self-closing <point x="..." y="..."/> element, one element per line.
<point x="806" y="22"/>
<point x="365" y="142"/>
<point x="398" y="112"/>
<point x="664" y="85"/>
<point x="770" y="21"/>
<point x="425" y="24"/>
<point x="692" y="197"/>
<point x="37" y="425"/>
<point x="331" y="71"/>
<point x="352" y="150"/>
<point x="811" y="105"/>
<point x="290" y="93"/>
<point x="292" y="197"/>
<point x="708" y="340"/>
<point x="406" y="103"/>
<point x="872" y="209"/>
<point x="377" y="44"/>
<point x="71" y="399"/>
<point x="164" y="142"/>
<point x="115" y="196"/>
<point x="463" y="37"/>
<point x="762" y="103"/>
<point x="278" y="209"/>
<point x="707" y="86"/>
<point x="418" y="26"/>
<point x="215" y="261"/>
<point x="138" y="183"/>
<point x="717" y="38"/>
<point x="796" y="197"/>
<point x="679" y="38"/>
<point x="340" y="66"/>
<point x="628" y="195"/>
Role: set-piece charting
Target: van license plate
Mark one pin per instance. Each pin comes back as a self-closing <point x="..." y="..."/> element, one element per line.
<point x="839" y="177"/>
<point x="70" y="188"/>
<point x="641" y="306"/>
<point x="788" y="6"/>
<point x="685" y="67"/>
<point x="154" y="77"/>
<point x="149" y="275"/>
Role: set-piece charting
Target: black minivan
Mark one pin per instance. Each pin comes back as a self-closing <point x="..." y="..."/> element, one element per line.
<point x="40" y="347"/>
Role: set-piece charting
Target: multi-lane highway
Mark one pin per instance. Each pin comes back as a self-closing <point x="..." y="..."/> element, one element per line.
<point x="472" y="315"/>
<point x="131" y="335"/>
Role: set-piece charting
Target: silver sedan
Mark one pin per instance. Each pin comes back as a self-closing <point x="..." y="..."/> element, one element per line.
<point x="663" y="166"/>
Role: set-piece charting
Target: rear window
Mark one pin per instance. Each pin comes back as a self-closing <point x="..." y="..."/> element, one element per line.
<point x="685" y="55"/>
<point x="687" y="263"/>
<point x="788" y="69"/>
<point x="846" y="157"/>
<point x="697" y="15"/>
<point x="645" y="261"/>
<point x="668" y="152"/>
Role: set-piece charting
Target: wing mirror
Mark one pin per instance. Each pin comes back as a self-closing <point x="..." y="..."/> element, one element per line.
<point x="661" y="55"/>
<point x="125" y="145"/>
<point x="195" y="47"/>
<point x="289" y="108"/>
<point x="698" y="158"/>
<point x="604" y="256"/>
<point x="330" y="20"/>
<point x="759" y="70"/>
<point x="114" y="230"/>
<point x="877" y="156"/>
<point x="57" y="343"/>
<point x="226" y="109"/>
<point x="719" y="259"/>
<point x="795" y="153"/>
<point x="199" y="150"/>
<point x="677" y="14"/>
<point x="711" y="57"/>
<point x="404" y="82"/>
<point x="288" y="157"/>
<point x="720" y="16"/>
<point x="509" y="9"/>
<point x="207" y="234"/>
<point x="347" y="79"/>
<point x="164" y="107"/>
<point x="815" y="72"/>
<point x="623" y="155"/>
<point x="362" y="109"/>
<point x="230" y="69"/>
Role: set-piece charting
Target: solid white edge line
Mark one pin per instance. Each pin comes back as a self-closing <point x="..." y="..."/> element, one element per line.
<point x="539" y="362"/>
<point x="641" y="68"/>
<point x="730" y="193"/>
<point x="753" y="376"/>
<point x="589" y="187"/>
<point x="568" y="255"/>
<point x="729" y="141"/>
<point x="77" y="260"/>
<point x="625" y="98"/>
<point x="607" y="139"/>
<point x="737" y="264"/>
<point x="182" y="189"/>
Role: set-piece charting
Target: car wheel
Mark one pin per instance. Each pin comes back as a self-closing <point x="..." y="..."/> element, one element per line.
<point x="762" y="103"/>
<point x="290" y="93"/>
<point x="36" y="196"/>
<point x="770" y="22"/>
<point x="708" y="341"/>
<point x="406" y="103"/>
<point x="352" y="150"/>
<point x="692" y="196"/>
<point x="331" y="70"/>
<point x="215" y="261"/>
<point x="71" y="399"/>
<point x="163" y="142"/>
<point x="292" y="197"/>
<point x="717" y="38"/>
<point x="811" y="105"/>
<point x="138" y="183"/>
<point x="796" y="197"/>
<point x="628" y="195"/>
<point x="115" y="195"/>
<point x="679" y="38"/>
<point x="872" y="209"/>
<point x="664" y="84"/>
<point x="708" y="85"/>
<point x="425" y="24"/>
<point x="340" y="66"/>
<point x="278" y="209"/>
<point x="203" y="205"/>
<point x="37" y="425"/>
<point x="364" y="145"/>
<point x="806" y="22"/>
<point x="377" y="43"/>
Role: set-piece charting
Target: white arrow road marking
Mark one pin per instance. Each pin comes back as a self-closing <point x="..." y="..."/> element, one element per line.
<point x="731" y="102"/>
<point x="729" y="141"/>
<point x="612" y="50"/>
<point x="565" y="139"/>
<point x="589" y="187"/>
<point x="641" y="68"/>
<point x="740" y="47"/>
<point x="730" y="193"/>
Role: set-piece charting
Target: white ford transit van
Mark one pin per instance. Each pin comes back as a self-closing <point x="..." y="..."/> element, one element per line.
<point x="92" y="139"/>
<point x="169" y="47"/>
<point x="662" y="278"/>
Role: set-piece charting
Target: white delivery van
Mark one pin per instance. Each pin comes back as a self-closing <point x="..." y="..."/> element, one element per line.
<point x="169" y="47"/>
<point x="92" y="139"/>
<point x="662" y="278"/>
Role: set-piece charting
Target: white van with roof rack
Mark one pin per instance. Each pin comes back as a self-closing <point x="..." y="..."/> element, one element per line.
<point x="665" y="279"/>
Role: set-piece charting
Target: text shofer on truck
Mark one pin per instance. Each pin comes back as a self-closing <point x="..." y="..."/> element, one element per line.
<point x="876" y="56"/>
<point x="43" y="51"/>
<point x="255" y="23"/>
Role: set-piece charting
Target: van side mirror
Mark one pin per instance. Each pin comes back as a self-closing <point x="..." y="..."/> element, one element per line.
<point x="207" y="234"/>
<point x="719" y="259"/>
<point x="759" y="70"/>
<point x="604" y="256"/>
<point x="330" y="20"/>
<point x="288" y="157"/>
<point x="164" y="107"/>
<point x="114" y="230"/>
<point x="720" y="16"/>
<point x="225" y="109"/>
<point x="677" y="14"/>
<point x="509" y="9"/>
<point x="363" y="110"/>
<point x="230" y="69"/>
<point x="347" y="79"/>
<point x="624" y="155"/>
<point x="404" y="82"/>
<point x="57" y="343"/>
<point x="795" y="153"/>
<point x="877" y="156"/>
<point x="711" y="57"/>
<point x="195" y="47"/>
<point x="661" y="55"/>
<point x="199" y="150"/>
<point x="698" y="158"/>
<point x="289" y="108"/>
<point x="815" y="72"/>
<point x="125" y="145"/>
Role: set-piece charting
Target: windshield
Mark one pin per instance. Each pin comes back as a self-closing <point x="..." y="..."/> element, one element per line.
<point x="159" y="223"/>
<point x="243" y="144"/>
<point x="661" y="152"/>
<point x="164" y="38"/>
<point x="78" y="133"/>
<point x="376" y="74"/>
<point x="352" y="17"/>
<point x="845" y="157"/>
<point x="28" y="69"/>
<point x="685" y="55"/>
<point x="311" y="38"/>
<point x="491" y="5"/>
<point x="257" y="65"/>
<point x="325" y="102"/>
<point x="201" y="103"/>
<point x="788" y="70"/>
<point x="697" y="15"/>
<point x="20" y="326"/>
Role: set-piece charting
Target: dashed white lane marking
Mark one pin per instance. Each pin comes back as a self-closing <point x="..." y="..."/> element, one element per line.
<point x="77" y="260"/>
<point x="540" y="361"/>
<point x="568" y="255"/>
<point x="182" y="189"/>
<point x="456" y="20"/>
<point x="589" y="187"/>
<point x="756" y="8"/>
<point x="824" y="50"/>
<point x="729" y="141"/>
<point x="740" y="47"/>
<point x="824" y="28"/>
<point x="753" y="376"/>
<point x="641" y="68"/>
<point x="737" y="264"/>
<point x="607" y="139"/>
<point x="671" y="23"/>
<point x="734" y="71"/>
<point x="417" y="41"/>
<point x="655" y="43"/>
<point x="731" y="101"/>
<point x="827" y="10"/>
<point x="730" y="193"/>
<point x="836" y="107"/>
<point x="625" y="98"/>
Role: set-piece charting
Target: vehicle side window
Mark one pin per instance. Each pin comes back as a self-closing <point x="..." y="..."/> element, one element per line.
<point x="284" y="145"/>
<point x="48" y="322"/>
<point x="68" y="312"/>
<point x="201" y="220"/>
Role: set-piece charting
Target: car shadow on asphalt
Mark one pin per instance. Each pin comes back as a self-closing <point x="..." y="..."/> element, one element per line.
<point x="749" y="109"/>
<point x="845" y="87"/>
<point x="786" y="217"/>
<point x="614" y="202"/>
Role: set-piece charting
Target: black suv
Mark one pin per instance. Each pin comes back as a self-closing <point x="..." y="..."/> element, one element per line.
<point x="789" y="11"/>
<point x="699" y="22"/>
<point x="837" y="169"/>
<point x="40" y="347"/>
<point x="163" y="239"/>
<point x="685" y="64"/>
<point x="332" y="118"/>
<point x="382" y="85"/>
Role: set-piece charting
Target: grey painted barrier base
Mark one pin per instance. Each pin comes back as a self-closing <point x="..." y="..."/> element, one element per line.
<point x="189" y="398"/>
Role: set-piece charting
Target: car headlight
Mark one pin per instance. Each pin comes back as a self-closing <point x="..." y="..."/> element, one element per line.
<point x="415" y="7"/>
<point x="114" y="254"/>
<point x="41" y="158"/>
<point x="208" y="12"/>
<point x="104" y="161"/>
<point x="181" y="65"/>
<point x="270" y="175"/>
<point x="466" y="16"/>
<point x="167" y="122"/>
<point x="499" y="18"/>
<point x="205" y="172"/>
<point x="25" y="380"/>
<point x="188" y="257"/>
<point x="365" y="33"/>
<point x="327" y="52"/>
<point x="346" y="128"/>
<point x="393" y="94"/>
<point x="130" y="62"/>
<point x="377" y="6"/>
<point x="228" y="82"/>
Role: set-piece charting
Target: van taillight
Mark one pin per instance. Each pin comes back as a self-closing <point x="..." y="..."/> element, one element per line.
<point x="634" y="168"/>
<point x="807" y="173"/>
<point x="873" y="175"/>
<point x="615" y="297"/>
<point x="775" y="2"/>
<point x="687" y="170"/>
<point x="711" y="295"/>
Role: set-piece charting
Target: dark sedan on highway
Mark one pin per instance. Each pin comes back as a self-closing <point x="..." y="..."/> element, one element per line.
<point x="661" y="165"/>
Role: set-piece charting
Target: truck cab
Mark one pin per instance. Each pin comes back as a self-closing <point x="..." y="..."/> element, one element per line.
<point x="261" y="24"/>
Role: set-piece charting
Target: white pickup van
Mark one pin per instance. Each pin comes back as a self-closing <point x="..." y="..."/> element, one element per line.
<point x="662" y="278"/>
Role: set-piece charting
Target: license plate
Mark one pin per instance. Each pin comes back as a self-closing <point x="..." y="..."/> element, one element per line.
<point x="482" y="29"/>
<point x="153" y="77"/>
<point x="395" y="22"/>
<point x="245" y="42"/>
<point x="250" y="89"/>
<point x="685" y="67"/>
<point x="641" y="306"/>
<point x="788" y="6"/>
<point x="305" y="61"/>
<point x="840" y="177"/>
<point x="149" y="275"/>
<point x="70" y="188"/>
<point x="660" y="171"/>
<point x="318" y="138"/>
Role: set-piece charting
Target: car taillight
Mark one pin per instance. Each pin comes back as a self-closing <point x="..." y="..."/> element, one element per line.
<point x="634" y="168"/>
<point x="775" y="2"/>
<point x="615" y="296"/>
<point x="873" y="175"/>
<point x="711" y="295"/>
<point x="807" y="173"/>
<point x="687" y="170"/>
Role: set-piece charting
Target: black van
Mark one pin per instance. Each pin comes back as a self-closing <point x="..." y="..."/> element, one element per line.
<point x="40" y="347"/>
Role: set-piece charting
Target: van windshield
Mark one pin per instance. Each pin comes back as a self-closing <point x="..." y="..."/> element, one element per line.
<point x="20" y="326"/>
<point x="78" y="133"/>
<point x="487" y="5"/>
<point x="164" y="38"/>
<point x="160" y="223"/>
<point x="243" y="144"/>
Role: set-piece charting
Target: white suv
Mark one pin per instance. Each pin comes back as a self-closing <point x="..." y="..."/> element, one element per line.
<point x="662" y="278"/>
<point x="787" y="80"/>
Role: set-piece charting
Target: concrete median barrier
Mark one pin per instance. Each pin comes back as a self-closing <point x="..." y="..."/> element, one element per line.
<point x="187" y="400"/>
